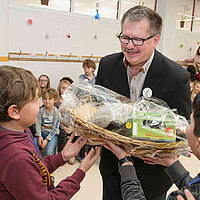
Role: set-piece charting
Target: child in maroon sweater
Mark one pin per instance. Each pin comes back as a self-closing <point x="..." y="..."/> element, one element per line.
<point x="23" y="172"/>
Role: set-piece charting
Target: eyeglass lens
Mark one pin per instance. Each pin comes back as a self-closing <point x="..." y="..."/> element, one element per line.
<point x="135" y="41"/>
<point x="42" y="80"/>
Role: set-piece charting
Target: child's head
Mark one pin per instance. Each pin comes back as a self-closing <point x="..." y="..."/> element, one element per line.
<point x="197" y="65"/>
<point x="193" y="130"/>
<point x="89" y="66"/>
<point x="198" y="51"/>
<point x="196" y="86"/>
<point x="44" y="81"/>
<point x="18" y="87"/>
<point x="66" y="79"/>
<point x="63" y="85"/>
<point x="49" y="96"/>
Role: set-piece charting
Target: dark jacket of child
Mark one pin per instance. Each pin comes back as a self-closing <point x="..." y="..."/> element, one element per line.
<point x="25" y="175"/>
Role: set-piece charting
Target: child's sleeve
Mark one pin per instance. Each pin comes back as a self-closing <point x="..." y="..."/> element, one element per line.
<point x="23" y="179"/>
<point x="38" y="124"/>
<point x="56" y="124"/>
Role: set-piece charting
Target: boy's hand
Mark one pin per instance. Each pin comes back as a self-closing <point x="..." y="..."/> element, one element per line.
<point x="40" y="141"/>
<point x="90" y="159"/>
<point x="72" y="149"/>
<point x="44" y="144"/>
<point x="188" y="195"/>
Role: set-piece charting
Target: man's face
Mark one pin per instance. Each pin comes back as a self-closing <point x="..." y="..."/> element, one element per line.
<point x="138" y="55"/>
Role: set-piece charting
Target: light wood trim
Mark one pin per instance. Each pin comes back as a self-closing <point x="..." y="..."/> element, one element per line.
<point x="3" y="58"/>
<point x="50" y="57"/>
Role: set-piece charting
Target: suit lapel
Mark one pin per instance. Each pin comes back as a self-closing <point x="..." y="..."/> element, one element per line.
<point x="153" y="78"/>
<point x="122" y="79"/>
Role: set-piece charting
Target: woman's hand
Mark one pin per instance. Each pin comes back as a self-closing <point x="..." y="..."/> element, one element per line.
<point x="90" y="159"/>
<point x="72" y="149"/>
<point x="188" y="195"/>
<point x="118" y="151"/>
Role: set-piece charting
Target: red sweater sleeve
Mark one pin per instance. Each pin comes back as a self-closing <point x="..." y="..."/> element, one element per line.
<point x="52" y="162"/>
<point x="22" y="179"/>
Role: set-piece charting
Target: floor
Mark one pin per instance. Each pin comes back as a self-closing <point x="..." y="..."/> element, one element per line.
<point x="91" y="187"/>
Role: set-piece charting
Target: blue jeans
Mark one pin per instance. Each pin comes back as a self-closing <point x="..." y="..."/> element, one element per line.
<point x="50" y="145"/>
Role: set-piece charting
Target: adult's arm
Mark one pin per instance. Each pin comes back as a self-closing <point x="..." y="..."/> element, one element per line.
<point x="130" y="185"/>
<point x="99" y="73"/>
<point x="179" y="175"/>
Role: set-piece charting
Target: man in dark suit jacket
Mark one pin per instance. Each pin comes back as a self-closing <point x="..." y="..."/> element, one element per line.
<point x="156" y="74"/>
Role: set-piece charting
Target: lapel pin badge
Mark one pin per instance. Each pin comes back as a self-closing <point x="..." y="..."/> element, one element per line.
<point x="147" y="92"/>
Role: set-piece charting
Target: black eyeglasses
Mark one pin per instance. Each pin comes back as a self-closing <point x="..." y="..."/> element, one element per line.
<point x="135" y="40"/>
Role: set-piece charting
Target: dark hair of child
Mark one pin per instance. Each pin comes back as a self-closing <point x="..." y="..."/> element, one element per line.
<point x="52" y="93"/>
<point x="66" y="79"/>
<point x="196" y="114"/>
<point x="89" y="63"/>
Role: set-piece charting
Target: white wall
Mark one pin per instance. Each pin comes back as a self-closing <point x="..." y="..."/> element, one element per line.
<point x="31" y="39"/>
<point x="186" y="44"/>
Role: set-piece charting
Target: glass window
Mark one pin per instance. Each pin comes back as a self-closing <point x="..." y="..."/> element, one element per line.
<point x="54" y="4"/>
<point x="27" y="2"/>
<point x="196" y="23"/>
<point x="126" y="4"/>
<point x="106" y="9"/>
<point x="60" y="4"/>
<point x="184" y="16"/>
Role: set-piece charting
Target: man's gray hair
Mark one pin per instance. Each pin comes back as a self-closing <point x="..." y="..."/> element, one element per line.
<point x="139" y="13"/>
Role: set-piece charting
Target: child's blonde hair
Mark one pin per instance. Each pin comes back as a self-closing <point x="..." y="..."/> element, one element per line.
<point x="17" y="87"/>
<point x="60" y="85"/>
<point x="194" y="91"/>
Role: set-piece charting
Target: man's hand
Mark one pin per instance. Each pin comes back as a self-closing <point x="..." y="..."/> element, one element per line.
<point x="118" y="151"/>
<point x="167" y="161"/>
<point x="188" y="195"/>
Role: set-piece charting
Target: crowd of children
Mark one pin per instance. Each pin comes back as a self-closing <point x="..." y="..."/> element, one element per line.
<point x="194" y="71"/>
<point x="24" y="174"/>
<point x="48" y="131"/>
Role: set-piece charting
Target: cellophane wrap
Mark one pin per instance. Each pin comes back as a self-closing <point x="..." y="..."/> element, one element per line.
<point x="145" y="128"/>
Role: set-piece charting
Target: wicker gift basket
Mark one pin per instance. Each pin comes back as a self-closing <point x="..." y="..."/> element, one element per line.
<point x="146" y="128"/>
